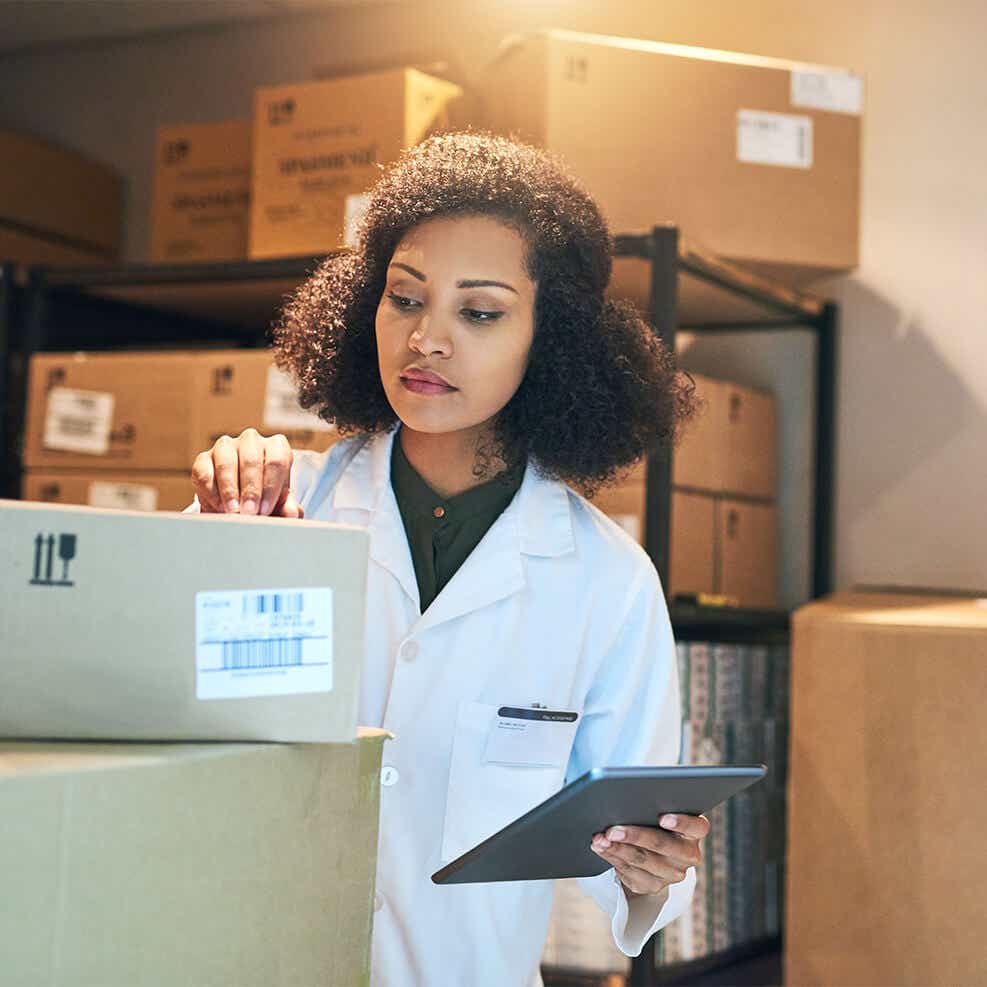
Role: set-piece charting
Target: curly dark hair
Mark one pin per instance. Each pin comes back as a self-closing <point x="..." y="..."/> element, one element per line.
<point x="600" y="391"/>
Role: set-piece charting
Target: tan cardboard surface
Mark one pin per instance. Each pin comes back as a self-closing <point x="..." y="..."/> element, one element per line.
<point x="886" y="809"/>
<point x="697" y="459"/>
<point x="174" y="864"/>
<point x="169" y="491"/>
<point x="747" y="546"/>
<point x="201" y="198"/>
<point x="168" y="407"/>
<point x="60" y="193"/>
<point x="317" y="143"/>
<point x="27" y="250"/>
<point x="649" y="160"/>
<point x="692" y="560"/>
<point x="626" y="504"/>
<point x="100" y="631"/>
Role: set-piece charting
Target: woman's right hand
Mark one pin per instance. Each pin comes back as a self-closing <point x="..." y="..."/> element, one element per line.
<point x="250" y="474"/>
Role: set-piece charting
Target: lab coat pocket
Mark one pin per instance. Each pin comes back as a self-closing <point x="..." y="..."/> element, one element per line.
<point x="484" y="796"/>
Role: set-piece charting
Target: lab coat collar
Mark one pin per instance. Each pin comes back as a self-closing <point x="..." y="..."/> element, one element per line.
<point x="537" y="522"/>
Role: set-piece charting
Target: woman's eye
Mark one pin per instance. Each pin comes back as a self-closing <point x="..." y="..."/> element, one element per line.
<point x="401" y="301"/>
<point x="480" y="315"/>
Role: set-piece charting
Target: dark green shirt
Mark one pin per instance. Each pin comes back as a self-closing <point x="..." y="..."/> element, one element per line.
<point x="443" y="531"/>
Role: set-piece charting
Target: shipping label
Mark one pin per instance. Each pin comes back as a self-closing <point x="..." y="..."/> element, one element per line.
<point x="780" y="139"/>
<point x="78" y="421"/>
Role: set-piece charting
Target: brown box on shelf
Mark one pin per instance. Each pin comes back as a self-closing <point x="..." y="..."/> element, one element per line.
<point x="134" y="885"/>
<point x="316" y="151"/>
<point x="747" y="552"/>
<point x="757" y="159"/>
<point x="59" y="194"/>
<point x="28" y="249"/>
<point x="135" y="491"/>
<point x="201" y="199"/>
<point x="155" y="411"/>
<point x="697" y="459"/>
<point x="885" y="871"/>
<point x="692" y="556"/>
<point x="625" y="503"/>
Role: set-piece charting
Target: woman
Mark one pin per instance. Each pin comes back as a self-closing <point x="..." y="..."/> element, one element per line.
<point x="467" y="350"/>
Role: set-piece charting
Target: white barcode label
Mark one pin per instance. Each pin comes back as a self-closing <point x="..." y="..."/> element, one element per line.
<point x="781" y="139"/>
<point x="272" y="642"/>
<point x="354" y="209"/>
<point x="78" y="421"/>
<point x="631" y="523"/>
<point x="123" y="496"/>
<point x="840" y="92"/>
<point x="281" y="407"/>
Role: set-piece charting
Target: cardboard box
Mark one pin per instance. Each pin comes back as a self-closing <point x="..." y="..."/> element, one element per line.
<point x="146" y="491"/>
<point x="201" y="200"/>
<point x="122" y="625"/>
<point x="189" y="864"/>
<point x="757" y="159"/>
<point x="29" y="250"/>
<point x="692" y="556"/>
<point x="886" y="808"/>
<point x="731" y="447"/>
<point x="156" y="411"/>
<point x="626" y="504"/>
<point x="317" y="148"/>
<point x="59" y="194"/>
<point x="747" y="552"/>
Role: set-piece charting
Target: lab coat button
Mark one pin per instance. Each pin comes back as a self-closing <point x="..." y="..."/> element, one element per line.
<point x="409" y="650"/>
<point x="389" y="776"/>
<point x="378" y="902"/>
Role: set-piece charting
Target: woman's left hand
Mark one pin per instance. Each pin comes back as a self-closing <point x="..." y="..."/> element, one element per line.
<point x="649" y="860"/>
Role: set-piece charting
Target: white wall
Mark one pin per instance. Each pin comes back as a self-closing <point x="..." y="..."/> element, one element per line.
<point x="912" y="390"/>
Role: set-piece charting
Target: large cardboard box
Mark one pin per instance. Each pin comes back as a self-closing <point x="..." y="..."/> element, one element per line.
<point x="731" y="446"/>
<point x="156" y="411"/>
<point x="59" y="194"/>
<point x="747" y="552"/>
<point x="757" y="159"/>
<point x="317" y="148"/>
<point x="692" y="547"/>
<point x="201" y="199"/>
<point x="144" y="491"/>
<point x="886" y="800"/>
<point x="246" y="864"/>
<point x="28" y="249"/>
<point x="135" y="626"/>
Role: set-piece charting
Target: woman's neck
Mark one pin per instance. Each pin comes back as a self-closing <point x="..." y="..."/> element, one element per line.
<point x="445" y="461"/>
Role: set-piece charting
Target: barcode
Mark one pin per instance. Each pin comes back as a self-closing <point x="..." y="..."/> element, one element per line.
<point x="75" y="426"/>
<point x="262" y="653"/>
<point x="273" y="603"/>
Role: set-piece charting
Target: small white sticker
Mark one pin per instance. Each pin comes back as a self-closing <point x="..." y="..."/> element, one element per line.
<point x="78" y="421"/>
<point x="355" y="206"/>
<point x="271" y="642"/>
<point x="281" y="407"/>
<point x="840" y="92"/>
<point x="123" y="496"/>
<point x="631" y="523"/>
<point x="781" y="139"/>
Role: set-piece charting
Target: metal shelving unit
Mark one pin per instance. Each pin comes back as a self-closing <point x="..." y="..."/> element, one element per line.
<point x="234" y="304"/>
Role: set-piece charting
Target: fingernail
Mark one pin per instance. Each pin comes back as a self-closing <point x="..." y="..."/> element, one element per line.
<point x="616" y="834"/>
<point x="249" y="506"/>
<point x="265" y="505"/>
<point x="669" y="821"/>
<point x="601" y="842"/>
<point x="233" y="506"/>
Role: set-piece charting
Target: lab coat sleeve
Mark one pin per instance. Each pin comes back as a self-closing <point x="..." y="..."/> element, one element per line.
<point x="633" y="716"/>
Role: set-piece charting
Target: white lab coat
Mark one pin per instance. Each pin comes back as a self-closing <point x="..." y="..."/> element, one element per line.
<point x="556" y="605"/>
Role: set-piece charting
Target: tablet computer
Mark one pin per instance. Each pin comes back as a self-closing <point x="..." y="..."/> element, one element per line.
<point x="553" y="839"/>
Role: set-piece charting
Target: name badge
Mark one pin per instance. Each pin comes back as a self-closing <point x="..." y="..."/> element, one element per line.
<point x="531" y="736"/>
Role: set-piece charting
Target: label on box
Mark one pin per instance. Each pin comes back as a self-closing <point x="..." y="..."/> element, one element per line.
<point x="781" y="139"/>
<point x="271" y="642"/>
<point x="841" y="92"/>
<point x="281" y="407"/>
<point x="78" y="421"/>
<point x="631" y="523"/>
<point x="123" y="496"/>
<point x="355" y="207"/>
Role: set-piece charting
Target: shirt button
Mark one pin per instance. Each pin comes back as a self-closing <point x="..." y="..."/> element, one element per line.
<point x="378" y="902"/>
<point x="389" y="776"/>
<point x="439" y="512"/>
<point x="409" y="650"/>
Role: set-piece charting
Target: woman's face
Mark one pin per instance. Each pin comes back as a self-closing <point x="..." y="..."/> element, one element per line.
<point x="455" y="323"/>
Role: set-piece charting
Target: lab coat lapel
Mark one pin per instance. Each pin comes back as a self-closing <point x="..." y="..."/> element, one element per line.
<point x="366" y="485"/>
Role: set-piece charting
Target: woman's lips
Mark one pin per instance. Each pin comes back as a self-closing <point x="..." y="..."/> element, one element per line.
<point x="425" y="386"/>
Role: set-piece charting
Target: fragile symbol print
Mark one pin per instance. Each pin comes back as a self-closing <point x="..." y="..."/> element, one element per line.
<point x="44" y="559"/>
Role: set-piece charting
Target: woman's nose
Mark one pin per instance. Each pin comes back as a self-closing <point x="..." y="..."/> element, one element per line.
<point x="429" y="337"/>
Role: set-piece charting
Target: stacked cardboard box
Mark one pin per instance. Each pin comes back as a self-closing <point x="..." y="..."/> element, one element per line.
<point x="757" y="159"/>
<point x="122" y="429"/>
<point x="57" y="207"/>
<point x="724" y="519"/>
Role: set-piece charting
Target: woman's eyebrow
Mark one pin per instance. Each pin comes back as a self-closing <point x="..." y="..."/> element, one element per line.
<point x="410" y="270"/>
<point x="485" y="284"/>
